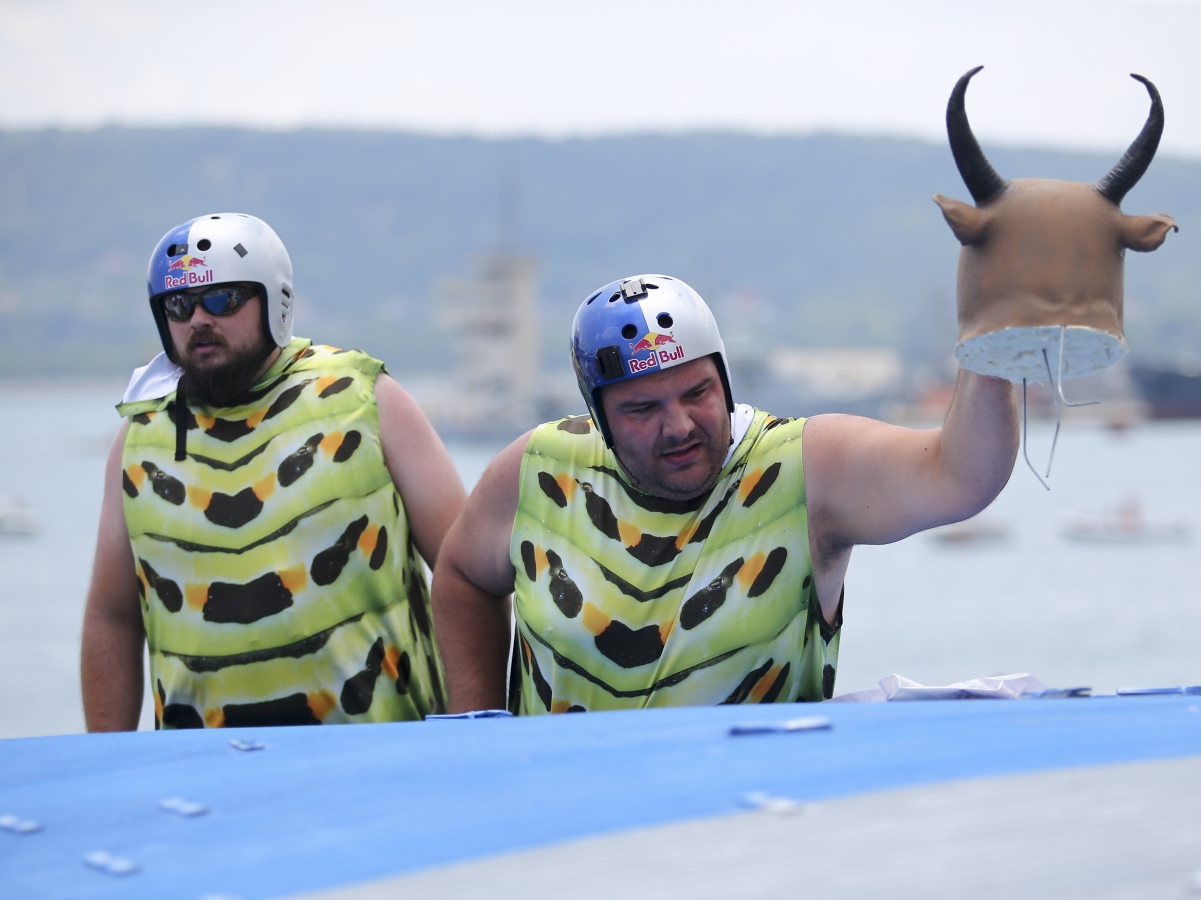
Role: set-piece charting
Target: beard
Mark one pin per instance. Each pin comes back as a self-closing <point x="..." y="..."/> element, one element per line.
<point x="221" y="384"/>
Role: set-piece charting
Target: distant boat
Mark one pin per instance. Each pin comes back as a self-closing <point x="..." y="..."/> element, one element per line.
<point x="1125" y="525"/>
<point x="16" y="518"/>
<point x="1169" y="393"/>
<point x="971" y="533"/>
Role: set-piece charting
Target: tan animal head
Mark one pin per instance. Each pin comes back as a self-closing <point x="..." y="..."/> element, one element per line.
<point x="1041" y="264"/>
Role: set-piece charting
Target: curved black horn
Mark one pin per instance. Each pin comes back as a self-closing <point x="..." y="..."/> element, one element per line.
<point x="978" y="174"/>
<point x="1133" y="164"/>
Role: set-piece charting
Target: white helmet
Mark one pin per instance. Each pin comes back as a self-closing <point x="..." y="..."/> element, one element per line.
<point x="636" y="326"/>
<point x="219" y="248"/>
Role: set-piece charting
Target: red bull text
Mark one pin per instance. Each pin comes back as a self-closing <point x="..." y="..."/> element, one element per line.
<point x="188" y="277"/>
<point x="655" y="344"/>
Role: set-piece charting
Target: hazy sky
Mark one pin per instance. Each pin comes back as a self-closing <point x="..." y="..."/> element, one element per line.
<point x="1057" y="72"/>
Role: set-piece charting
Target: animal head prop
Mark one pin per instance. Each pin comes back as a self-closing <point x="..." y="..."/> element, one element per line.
<point x="1040" y="273"/>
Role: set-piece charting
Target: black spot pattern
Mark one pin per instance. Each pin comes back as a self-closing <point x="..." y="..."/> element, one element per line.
<point x="246" y="603"/>
<point x="540" y="683"/>
<point x="173" y="414"/>
<point x="417" y="601"/>
<point x="168" y="591"/>
<point x="235" y="511"/>
<point x="337" y="387"/>
<point x="630" y="591"/>
<point x="828" y="674"/>
<point x="438" y="701"/>
<point x="296" y="464"/>
<point x="740" y="693"/>
<point x="380" y="553"/>
<point x="231" y="466"/>
<point x="652" y="550"/>
<point x="329" y="563"/>
<point x="229" y="430"/>
<point x="140" y="419"/>
<point x="600" y="513"/>
<point x="774" y="423"/>
<point x="359" y="689"/>
<point x="766" y="480"/>
<point x="284" y="400"/>
<point x="771" y="568"/>
<point x="551" y="488"/>
<point x="778" y="685"/>
<point x="528" y="562"/>
<point x="576" y="708"/>
<point x="170" y="489"/>
<point x="706" y="527"/>
<point x="652" y="503"/>
<point x="128" y="486"/>
<point x="629" y="648"/>
<point x="563" y="590"/>
<point x="350" y="443"/>
<point x="180" y="715"/>
<point x="404" y="672"/>
<point x="291" y="710"/>
<point x="705" y="602"/>
<point x="576" y="425"/>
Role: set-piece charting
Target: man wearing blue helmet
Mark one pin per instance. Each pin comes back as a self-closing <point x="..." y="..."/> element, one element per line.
<point x="265" y="503"/>
<point x="676" y="548"/>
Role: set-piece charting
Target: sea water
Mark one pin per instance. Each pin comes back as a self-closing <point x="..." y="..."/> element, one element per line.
<point x="1026" y="599"/>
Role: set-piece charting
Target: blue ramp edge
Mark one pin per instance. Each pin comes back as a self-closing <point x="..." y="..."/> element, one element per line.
<point x="323" y="807"/>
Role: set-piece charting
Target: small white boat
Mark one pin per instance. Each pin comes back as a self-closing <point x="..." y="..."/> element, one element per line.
<point x="16" y="517"/>
<point x="1125" y="525"/>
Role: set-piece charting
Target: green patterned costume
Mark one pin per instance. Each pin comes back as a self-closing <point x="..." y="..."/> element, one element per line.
<point x="625" y="600"/>
<point x="278" y="581"/>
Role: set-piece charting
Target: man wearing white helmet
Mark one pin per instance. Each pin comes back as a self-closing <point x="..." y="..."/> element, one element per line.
<point x="676" y="548"/>
<point x="265" y="503"/>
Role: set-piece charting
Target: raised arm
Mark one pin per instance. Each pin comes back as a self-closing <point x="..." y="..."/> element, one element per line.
<point x="472" y="580"/>
<point x="873" y="483"/>
<point x="420" y="467"/>
<point x="113" y="633"/>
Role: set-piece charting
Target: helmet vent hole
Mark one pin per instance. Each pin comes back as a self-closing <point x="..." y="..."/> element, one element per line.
<point x="239" y="249"/>
<point x="203" y="244"/>
<point x="283" y="290"/>
<point x="653" y="287"/>
<point x="664" y="320"/>
<point x="177" y="249"/>
<point x="616" y="294"/>
<point x="593" y="297"/>
<point x="628" y="332"/>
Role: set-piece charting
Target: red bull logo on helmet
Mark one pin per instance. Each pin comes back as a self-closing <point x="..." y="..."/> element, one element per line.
<point x="188" y="276"/>
<point x="660" y="353"/>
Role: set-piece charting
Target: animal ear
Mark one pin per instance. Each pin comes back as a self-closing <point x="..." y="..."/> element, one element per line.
<point x="967" y="222"/>
<point x="1146" y="233"/>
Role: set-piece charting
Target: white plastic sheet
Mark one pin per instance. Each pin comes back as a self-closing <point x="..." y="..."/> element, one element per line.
<point x="996" y="687"/>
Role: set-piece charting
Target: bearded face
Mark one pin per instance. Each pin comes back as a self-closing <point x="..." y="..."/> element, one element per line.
<point x="221" y="356"/>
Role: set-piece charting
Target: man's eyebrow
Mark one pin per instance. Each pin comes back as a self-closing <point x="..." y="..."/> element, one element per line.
<point x="704" y="382"/>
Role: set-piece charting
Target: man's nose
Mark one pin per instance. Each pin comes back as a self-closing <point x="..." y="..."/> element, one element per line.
<point x="202" y="318"/>
<point x="676" y="421"/>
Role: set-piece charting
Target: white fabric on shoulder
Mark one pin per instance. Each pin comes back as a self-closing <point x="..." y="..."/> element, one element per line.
<point x="154" y="380"/>
<point x="740" y="421"/>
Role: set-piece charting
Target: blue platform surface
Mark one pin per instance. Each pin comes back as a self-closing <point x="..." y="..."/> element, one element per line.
<point x="324" y="807"/>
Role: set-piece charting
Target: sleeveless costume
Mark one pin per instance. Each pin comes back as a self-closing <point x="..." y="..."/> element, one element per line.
<point x="278" y="581"/>
<point x="624" y="600"/>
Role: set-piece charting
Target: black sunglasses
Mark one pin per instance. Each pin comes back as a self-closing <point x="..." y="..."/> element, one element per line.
<point x="220" y="301"/>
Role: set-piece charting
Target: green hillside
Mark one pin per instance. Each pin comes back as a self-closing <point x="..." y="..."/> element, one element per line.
<point x="795" y="240"/>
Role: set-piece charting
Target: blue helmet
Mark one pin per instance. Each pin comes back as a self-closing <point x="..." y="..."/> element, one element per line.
<point x="637" y="326"/>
